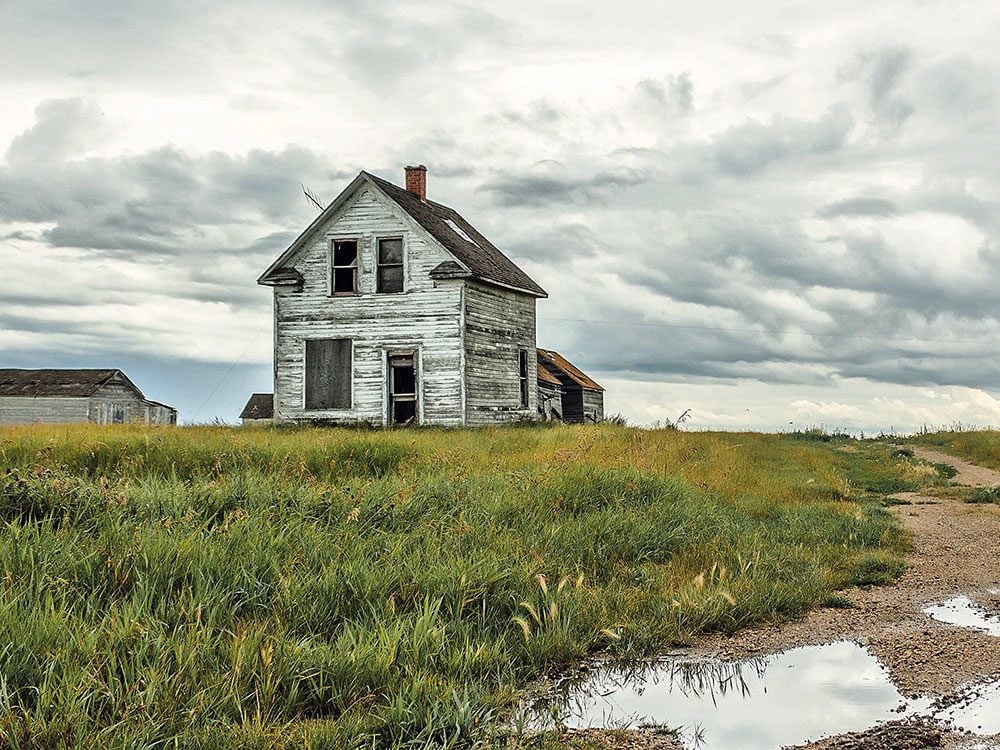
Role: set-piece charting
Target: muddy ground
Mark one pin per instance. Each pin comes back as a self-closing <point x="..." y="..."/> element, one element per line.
<point x="956" y="551"/>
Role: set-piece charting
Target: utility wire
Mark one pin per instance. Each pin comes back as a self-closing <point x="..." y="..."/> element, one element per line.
<point x="231" y="368"/>
<point x="760" y="330"/>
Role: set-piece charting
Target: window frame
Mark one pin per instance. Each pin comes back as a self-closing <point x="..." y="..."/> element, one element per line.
<point x="391" y="397"/>
<point x="355" y="267"/>
<point x="379" y="265"/>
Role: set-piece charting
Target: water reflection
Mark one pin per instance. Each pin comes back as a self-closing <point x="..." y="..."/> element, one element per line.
<point x="787" y="698"/>
<point x="964" y="613"/>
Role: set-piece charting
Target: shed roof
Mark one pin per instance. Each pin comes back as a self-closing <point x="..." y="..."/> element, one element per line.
<point x="544" y="376"/>
<point x="481" y="257"/>
<point x="260" y="406"/>
<point x="65" y="383"/>
<point x="557" y="363"/>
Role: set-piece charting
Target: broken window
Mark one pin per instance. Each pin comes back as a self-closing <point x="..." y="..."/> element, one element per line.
<point x="390" y="265"/>
<point x="345" y="267"/>
<point x="402" y="388"/>
<point x="328" y="374"/>
<point x="522" y="374"/>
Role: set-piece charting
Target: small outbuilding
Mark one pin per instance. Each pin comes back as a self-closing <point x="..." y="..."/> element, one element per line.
<point x="568" y="392"/>
<point x="259" y="409"/>
<point x="67" y="396"/>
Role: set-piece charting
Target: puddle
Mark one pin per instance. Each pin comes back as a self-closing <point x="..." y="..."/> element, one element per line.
<point x="978" y="713"/>
<point x="964" y="613"/>
<point x="784" y="699"/>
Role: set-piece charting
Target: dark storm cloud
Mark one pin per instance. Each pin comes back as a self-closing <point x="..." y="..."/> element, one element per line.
<point x="553" y="183"/>
<point x="162" y="202"/>
<point x="752" y="146"/>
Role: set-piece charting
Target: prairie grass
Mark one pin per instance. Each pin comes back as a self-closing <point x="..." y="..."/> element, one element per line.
<point x="260" y="588"/>
<point x="981" y="447"/>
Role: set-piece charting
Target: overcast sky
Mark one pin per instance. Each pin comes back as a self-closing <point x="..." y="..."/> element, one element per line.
<point x="772" y="214"/>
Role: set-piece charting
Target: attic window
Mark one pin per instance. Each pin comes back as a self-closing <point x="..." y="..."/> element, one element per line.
<point x="345" y="267"/>
<point x="461" y="232"/>
<point x="390" y="265"/>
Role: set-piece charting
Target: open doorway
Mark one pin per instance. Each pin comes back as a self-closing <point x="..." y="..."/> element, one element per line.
<point x="403" y="407"/>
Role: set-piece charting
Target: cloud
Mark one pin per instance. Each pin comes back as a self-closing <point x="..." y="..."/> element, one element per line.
<point x="671" y="95"/>
<point x="63" y="128"/>
<point x="859" y="207"/>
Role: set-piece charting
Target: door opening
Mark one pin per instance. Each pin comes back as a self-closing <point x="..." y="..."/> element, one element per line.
<point x="403" y="389"/>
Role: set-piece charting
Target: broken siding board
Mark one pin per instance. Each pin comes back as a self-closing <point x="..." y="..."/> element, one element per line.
<point x="498" y="323"/>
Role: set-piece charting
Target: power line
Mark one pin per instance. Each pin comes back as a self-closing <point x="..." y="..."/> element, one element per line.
<point x="231" y="368"/>
<point x="761" y="330"/>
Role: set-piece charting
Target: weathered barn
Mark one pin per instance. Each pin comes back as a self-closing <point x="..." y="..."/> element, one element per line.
<point x="259" y="409"/>
<point x="392" y="309"/>
<point x="63" y="396"/>
<point x="578" y="397"/>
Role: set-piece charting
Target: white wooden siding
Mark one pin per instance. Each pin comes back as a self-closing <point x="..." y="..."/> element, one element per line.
<point x="425" y="317"/>
<point x="498" y="323"/>
<point x="42" y="409"/>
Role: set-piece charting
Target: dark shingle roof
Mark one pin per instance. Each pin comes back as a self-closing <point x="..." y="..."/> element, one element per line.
<point x="477" y="253"/>
<point x="260" y="406"/>
<point x="68" y="383"/>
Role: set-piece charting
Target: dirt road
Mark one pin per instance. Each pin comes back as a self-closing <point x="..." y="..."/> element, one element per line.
<point x="956" y="552"/>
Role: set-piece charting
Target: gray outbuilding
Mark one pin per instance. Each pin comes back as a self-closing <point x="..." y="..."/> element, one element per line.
<point x="67" y="396"/>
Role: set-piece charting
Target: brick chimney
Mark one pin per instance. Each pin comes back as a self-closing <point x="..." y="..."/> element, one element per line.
<point x="416" y="181"/>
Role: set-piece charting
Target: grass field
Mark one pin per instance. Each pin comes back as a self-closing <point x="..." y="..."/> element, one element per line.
<point x="981" y="447"/>
<point x="253" y="588"/>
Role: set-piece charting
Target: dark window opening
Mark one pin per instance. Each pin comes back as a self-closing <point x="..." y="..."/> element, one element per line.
<point x="345" y="267"/>
<point x="118" y="414"/>
<point x="390" y="265"/>
<point x="402" y="389"/>
<point x="328" y="373"/>
<point x="522" y="373"/>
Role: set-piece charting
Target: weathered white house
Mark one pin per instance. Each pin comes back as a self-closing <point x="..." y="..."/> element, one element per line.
<point x="62" y="396"/>
<point x="392" y="309"/>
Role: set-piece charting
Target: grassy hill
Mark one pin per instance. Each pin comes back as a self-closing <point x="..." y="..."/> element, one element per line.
<point x="259" y="588"/>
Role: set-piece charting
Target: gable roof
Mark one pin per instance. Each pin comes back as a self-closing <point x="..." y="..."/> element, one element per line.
<point x="260" y="406"/>
<point x="481" y="257"/>
<point x="557" y="364"/>
<point x="65" y="383"/>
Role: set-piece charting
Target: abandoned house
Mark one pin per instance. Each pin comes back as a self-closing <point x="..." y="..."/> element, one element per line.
<point x="61" y="396"/>
<point x="392" y="309"/>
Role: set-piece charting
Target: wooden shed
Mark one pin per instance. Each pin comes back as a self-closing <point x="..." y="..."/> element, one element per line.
<point x="259" y="409"/>
<point x="67" y="396"/>
<point x="580" y="398"/>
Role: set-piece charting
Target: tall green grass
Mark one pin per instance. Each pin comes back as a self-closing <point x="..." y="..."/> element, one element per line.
<point x="981" y="447"/>
<point x="223" y="588"/>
